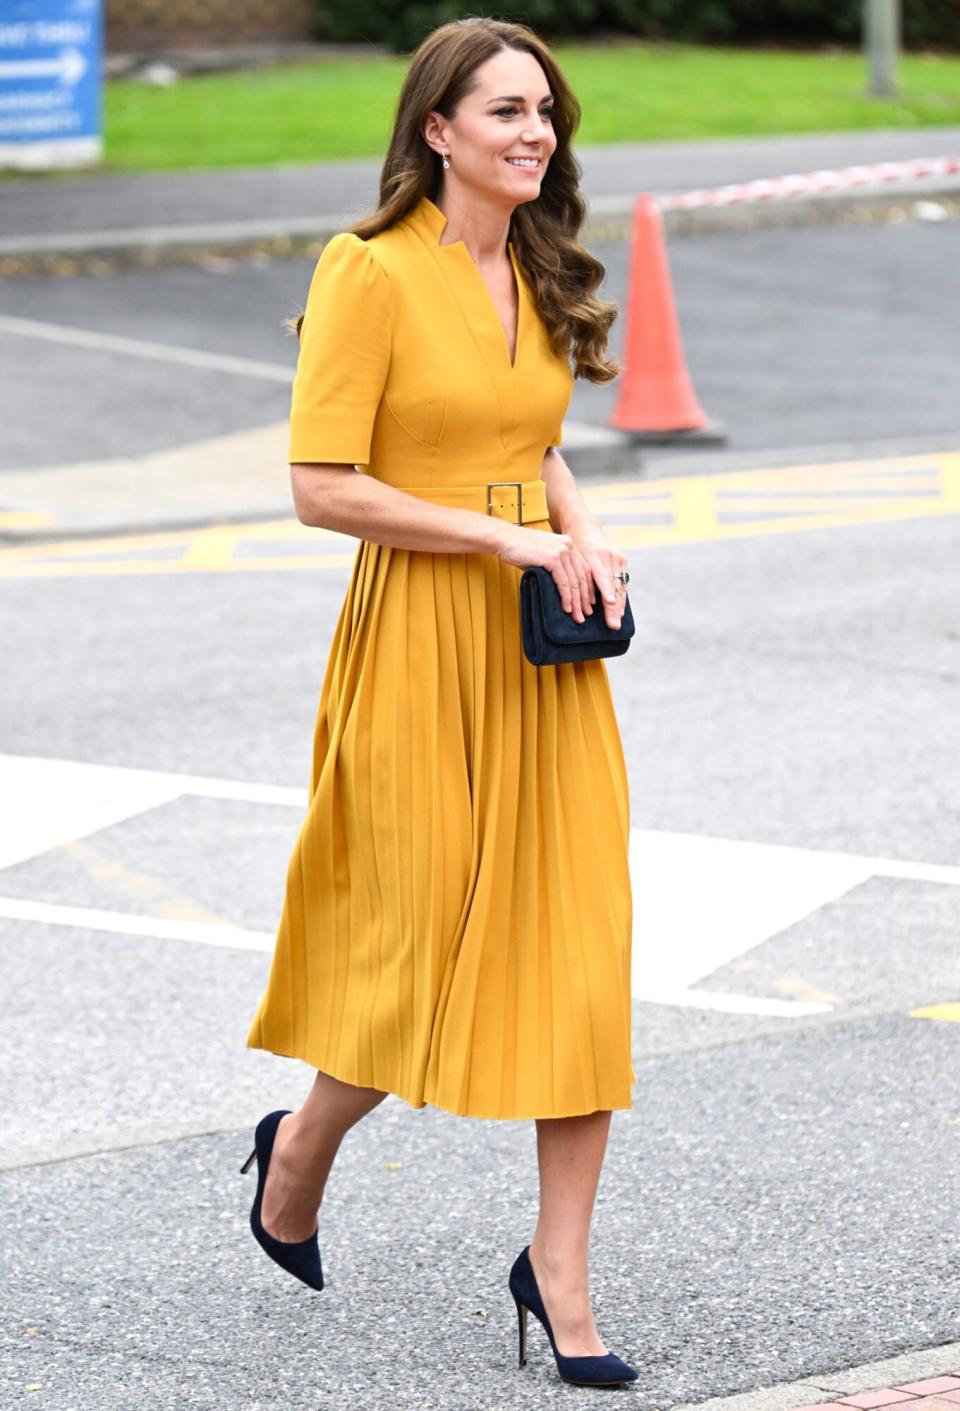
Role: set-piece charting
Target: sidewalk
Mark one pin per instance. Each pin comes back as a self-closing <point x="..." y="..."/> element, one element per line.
<point x="927" y="1380"/>
<point x="158" y="213"/>
<point x="931" y="1394"/>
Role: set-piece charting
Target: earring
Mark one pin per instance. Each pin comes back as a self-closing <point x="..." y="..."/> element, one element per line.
<point x="445" y="161"/>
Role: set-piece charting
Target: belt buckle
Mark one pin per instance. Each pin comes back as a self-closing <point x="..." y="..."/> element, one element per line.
<point x="517" y="484"/>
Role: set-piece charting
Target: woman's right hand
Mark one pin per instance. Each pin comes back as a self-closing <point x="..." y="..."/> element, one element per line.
<point x="534" y="548"/>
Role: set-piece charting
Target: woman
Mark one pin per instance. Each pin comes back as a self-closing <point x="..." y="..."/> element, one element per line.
<point x="457" y="920"/>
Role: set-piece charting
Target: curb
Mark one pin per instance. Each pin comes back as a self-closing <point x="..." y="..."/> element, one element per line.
<point x="823" y="1388"/>
<point x="115" y="501"/>
<point x="595" y="454"/>
<point x="608" y="218"/>
<point x="233" y="58"/>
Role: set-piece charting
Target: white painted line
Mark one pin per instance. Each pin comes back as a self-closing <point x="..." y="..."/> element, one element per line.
<point x="142" y="348"/>
<point x="735" y="1004"/>
<point x="48" y="802"/>
<point x="284" y="795"/>
<point x="914" y="871"/>
<point x="209" y="933"/>
<point x="699" y="901"/>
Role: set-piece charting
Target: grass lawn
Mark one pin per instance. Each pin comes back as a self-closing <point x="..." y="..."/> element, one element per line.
<point x="631" y="91"/>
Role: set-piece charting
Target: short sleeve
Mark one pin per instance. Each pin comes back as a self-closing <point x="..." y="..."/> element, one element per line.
<point x="344" y="355"/>
<point x="557" y="438"/>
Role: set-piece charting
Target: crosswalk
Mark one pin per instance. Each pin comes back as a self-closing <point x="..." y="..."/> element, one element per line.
<point x="746" y="892"/>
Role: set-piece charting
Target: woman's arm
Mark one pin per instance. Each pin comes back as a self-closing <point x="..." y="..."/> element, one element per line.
<point x="338" y="497"/>
<point x="565" y="504"/>
<point x="570" y="516"/>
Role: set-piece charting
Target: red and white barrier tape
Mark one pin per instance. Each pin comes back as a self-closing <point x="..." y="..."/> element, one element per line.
<point x="812" y="183"/>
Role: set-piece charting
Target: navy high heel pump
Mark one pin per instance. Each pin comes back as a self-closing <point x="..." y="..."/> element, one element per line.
<point x="299" y="1257"/>
<point x="607" y="1370"/>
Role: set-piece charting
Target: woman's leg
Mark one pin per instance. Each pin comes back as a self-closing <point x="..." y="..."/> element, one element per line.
<point x="570" y="1154"/>
<point x="303" y="1151"/>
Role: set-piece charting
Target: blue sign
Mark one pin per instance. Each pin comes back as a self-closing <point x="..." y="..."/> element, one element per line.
<point x="50" y="76"/>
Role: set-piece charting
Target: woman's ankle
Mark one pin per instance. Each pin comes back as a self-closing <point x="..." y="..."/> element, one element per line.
<point x="559" y="1264"/>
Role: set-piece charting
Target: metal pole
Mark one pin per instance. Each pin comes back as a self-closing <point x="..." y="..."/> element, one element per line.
<point x="881" y="31"/>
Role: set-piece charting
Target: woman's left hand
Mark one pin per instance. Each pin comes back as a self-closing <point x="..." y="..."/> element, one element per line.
<point x="600" y="561"/>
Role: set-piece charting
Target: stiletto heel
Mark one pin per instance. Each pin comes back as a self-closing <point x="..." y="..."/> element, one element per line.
<point x="522" y="1329"/>
<point x="299" y="1257"/>
<point x="607" y="1370"/>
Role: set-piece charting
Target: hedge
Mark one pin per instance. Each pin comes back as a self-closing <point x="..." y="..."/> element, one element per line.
<point x="926" y="23"/>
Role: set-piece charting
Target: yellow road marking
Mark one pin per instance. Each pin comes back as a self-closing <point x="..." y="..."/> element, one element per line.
<point x="139" y="885"/>
<point x="798" y="988"/>
<point x="211" y="548"/>
<point x="656" y="536"/>
<point x="690" y="509"/>
<point x="950" y="1012"/>
<point x="694" y="505"/>
<point x="142" y="567"/>
<point x="950" y="480"/>
<point x="18" y="519"/>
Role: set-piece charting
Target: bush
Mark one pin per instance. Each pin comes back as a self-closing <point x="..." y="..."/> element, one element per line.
<point x="402" y="26"/>
<point x="808" y="22"/>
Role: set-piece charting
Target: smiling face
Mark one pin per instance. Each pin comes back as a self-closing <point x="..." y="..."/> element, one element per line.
<point x="501" y="137"/>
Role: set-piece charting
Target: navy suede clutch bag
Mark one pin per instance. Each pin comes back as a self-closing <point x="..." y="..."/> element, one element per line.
<point x="551" y="635"/>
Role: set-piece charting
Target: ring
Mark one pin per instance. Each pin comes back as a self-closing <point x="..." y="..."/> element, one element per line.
<point x="623" y="576"/>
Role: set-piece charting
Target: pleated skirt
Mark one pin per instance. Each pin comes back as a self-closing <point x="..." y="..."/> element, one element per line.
<point x="456" y="926"/>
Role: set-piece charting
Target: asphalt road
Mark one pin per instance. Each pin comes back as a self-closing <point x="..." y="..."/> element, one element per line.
<point x="781" y="1200"/>
<point x="78" y="203"/>
<point x="810" y="341"/>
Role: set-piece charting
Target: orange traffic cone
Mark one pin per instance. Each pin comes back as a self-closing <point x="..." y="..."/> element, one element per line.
<point x="656" y="398"/>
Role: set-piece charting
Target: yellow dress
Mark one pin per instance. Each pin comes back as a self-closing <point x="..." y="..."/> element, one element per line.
<point x="456" y="927"/>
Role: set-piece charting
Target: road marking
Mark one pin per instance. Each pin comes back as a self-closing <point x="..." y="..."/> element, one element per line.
<point x="744" y="504"/>
<point x="144" y="348"/>
<point x="682" y="934"/>
<point x="693" y="506"/>
<point x="949" y="1012"/>
<point x="48" y="802"/>
<point x="208" y="933"/>
<point x="652" y="514"/>
<point x="684" y="998"/>
<point x="212" y="549"/>
<point x="19" y="519"/>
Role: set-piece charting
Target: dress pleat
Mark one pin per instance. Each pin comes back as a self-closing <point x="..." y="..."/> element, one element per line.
<point x="457" y="916"/>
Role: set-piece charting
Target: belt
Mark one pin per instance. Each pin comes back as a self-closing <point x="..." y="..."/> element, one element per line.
<point x="520" y="500"/>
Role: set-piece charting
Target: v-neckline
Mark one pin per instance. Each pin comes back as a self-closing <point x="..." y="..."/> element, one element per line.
<point x="436" y="222"/>
<point x="511" y="359"/>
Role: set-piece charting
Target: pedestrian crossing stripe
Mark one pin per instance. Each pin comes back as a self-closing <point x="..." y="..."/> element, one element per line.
<point x="684" y="936"/>
<point x="949" y="1012"/>
<point x="645" y="514"/>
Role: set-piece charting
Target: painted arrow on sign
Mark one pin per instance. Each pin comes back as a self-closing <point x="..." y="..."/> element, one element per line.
<point x="69" y="66"/>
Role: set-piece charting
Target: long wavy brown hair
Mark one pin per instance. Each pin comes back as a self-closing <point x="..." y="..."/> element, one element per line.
<point x="561" y="272"/>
